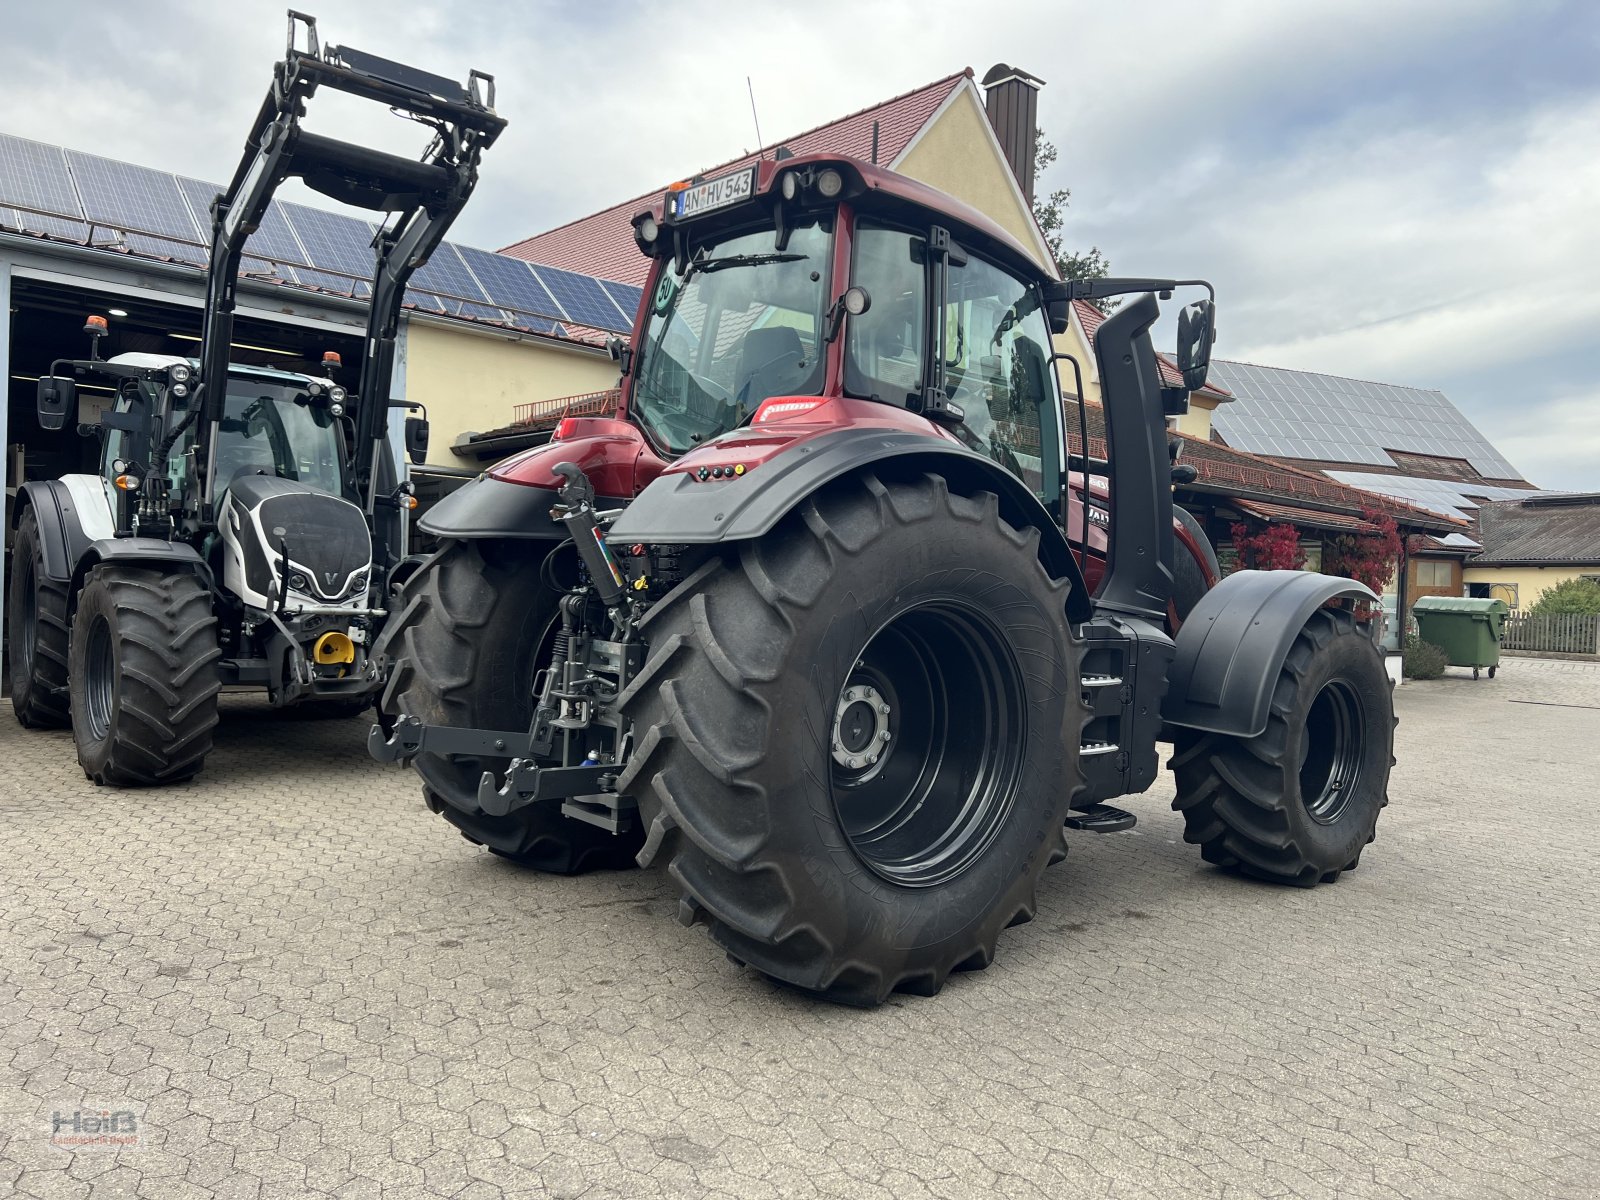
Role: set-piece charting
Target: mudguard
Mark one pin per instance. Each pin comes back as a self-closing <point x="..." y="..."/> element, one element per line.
<point x="62" y="537"/>
<point x="679" y="508"/>
<point x="141" y="551"/>
<point x="492" y="508"/>
<point x="1233" y="645"/>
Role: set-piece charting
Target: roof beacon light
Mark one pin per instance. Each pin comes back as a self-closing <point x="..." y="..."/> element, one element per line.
<point x="331" y="360"/>
<point x="95" y="326"/>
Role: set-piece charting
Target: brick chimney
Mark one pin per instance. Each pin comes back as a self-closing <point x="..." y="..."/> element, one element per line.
<point x="1011" y="97"/>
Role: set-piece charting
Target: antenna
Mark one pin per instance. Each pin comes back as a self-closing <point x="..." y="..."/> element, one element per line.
<point x="753" y="116"/>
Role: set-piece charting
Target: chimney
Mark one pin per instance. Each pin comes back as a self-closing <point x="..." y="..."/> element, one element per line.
<point x="1011" y="97"/>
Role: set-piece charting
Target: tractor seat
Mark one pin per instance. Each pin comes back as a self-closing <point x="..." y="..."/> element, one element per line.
<point x="771" y="364"/>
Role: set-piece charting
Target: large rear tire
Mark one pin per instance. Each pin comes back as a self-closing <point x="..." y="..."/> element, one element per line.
<point x="856" y="738"/>
<point x="476" y="624"/>
<point x="1298" y="804"/>
<point x="36" y="634"/>
<point x="144" y="676"/>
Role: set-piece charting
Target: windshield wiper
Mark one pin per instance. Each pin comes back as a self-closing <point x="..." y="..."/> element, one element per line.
<point x="707" y="265"/>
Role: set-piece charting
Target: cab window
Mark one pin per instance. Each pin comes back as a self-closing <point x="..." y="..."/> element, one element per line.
<point x="995" y="356"/>
<point x="883" y="354"/>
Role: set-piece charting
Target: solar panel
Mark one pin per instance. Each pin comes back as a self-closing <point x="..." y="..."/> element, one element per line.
<point x="625" y="296"/>
<point x="33" y="175"/>
<point x="523" y="321"/>
<point x="1362" y="420"/>
<point x="333" y="241"/>
<point x="583" y="299"/>
<point x="445" y="274"/>
<point x="131" y="197"/>
<point x="426" y="301"/>
<point x="60" y="229"/>
<point x="341" y="285"/>
<point x="167" y="248"/>
<point x="511" y="283"/>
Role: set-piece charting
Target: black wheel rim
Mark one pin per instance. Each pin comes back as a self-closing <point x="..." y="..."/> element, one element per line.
<point x="99" y="681"/>
<point x="1330" y="752"/>
<point x="926" y="745"/>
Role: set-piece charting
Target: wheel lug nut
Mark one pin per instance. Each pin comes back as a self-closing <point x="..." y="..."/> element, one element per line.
<point x="884" y="709"/>
<point x="884" y="735"/>
<point x="854" y="763"/>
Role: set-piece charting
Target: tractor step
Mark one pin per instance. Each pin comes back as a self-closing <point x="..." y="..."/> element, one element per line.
<point x="1102" y="818"/>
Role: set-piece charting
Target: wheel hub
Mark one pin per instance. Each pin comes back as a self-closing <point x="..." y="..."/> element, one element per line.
<point x="861" y="732"/>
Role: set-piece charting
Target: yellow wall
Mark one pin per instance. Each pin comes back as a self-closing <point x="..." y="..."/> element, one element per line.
<point x="1197" y="421"/>
<point x="1529" y="581"/>
<point x="956" y="154"/>
<point x="473" y="382"/>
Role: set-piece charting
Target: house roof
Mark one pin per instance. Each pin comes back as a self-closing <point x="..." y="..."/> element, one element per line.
<point x="59" y="195"/>
<point x="1334" y="420"/>
<point x="602" y="243"/>
<point x="1541" y="531"/>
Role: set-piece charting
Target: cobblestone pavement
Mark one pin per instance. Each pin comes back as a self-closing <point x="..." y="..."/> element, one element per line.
<point x="303" y="984"/>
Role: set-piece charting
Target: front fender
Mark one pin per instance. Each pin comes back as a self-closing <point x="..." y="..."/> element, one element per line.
<point x="679" y="508"/>
<point x="140" y="552"/>
<point x="1233" y="645"/>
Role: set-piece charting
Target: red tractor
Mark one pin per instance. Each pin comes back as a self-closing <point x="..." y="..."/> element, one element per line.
<point x="818" y="620"/>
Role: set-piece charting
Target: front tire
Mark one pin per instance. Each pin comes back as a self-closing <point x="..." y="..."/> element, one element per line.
<point x="857" y="738"/>
<point x="36" y="630"/>
<point x="476" y="623"/>
<point x="1297" y="804"/>
<point x="144" y="676"/>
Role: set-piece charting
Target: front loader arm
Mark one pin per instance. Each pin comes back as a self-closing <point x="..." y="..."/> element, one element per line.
<point x="424" y="195"/>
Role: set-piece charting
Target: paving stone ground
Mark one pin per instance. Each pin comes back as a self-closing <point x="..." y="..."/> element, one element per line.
<point x="303" y="984"/>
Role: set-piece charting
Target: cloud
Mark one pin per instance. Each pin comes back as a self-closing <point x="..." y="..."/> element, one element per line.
<point x="1392" y="190"/>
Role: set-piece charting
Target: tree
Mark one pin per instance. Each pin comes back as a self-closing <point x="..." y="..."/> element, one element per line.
<point x="1048" y="211"/>
<point x="1569" y="596"/>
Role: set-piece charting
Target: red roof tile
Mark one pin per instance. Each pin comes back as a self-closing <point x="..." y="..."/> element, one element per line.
<point x="602" y="244"/>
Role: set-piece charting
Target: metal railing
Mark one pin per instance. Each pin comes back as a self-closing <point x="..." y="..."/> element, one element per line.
<point x="1553" y="633"/>
<point x="547" y="413"/>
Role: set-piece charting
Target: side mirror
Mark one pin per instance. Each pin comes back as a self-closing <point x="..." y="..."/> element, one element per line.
<point x="621" y="353"/>
<point x="58" y="396"/>
<point x="1057" y="306"/>
<point x="1196" y="332"/>
<point x="417" y="439"/>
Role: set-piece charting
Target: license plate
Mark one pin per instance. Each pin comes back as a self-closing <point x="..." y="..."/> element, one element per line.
<point x="714" y="194"/>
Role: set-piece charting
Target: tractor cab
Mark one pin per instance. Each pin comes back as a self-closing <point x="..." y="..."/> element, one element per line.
<point x="791" y="281"/>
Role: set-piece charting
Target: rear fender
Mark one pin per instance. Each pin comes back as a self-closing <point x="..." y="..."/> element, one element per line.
<point x="71" y="516"/>
<point x="1233" y="646"/>
<point x="679" y="508"/>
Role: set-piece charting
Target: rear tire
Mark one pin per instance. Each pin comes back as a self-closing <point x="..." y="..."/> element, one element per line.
<point x="475" y="626"/>
<point x="760" y="707"/>
<point x="36" y="631"/>
<point x="144" y="676"/>
<point x="1298" y="804"/>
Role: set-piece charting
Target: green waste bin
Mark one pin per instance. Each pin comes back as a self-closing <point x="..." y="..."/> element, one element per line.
<point x="1467" y="629"/>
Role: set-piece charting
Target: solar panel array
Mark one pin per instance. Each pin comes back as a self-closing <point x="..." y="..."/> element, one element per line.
<point x="1327" y="418"/>
<point x="70" y="196"/>
<point x="1452" y="497"/>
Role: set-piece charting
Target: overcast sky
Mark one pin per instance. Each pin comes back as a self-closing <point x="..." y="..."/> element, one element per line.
<point x="1405" y="190"/>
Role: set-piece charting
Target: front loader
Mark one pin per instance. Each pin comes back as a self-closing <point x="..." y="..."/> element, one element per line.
<point x="245" y="524"/>
<point x="818" y="623"/>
